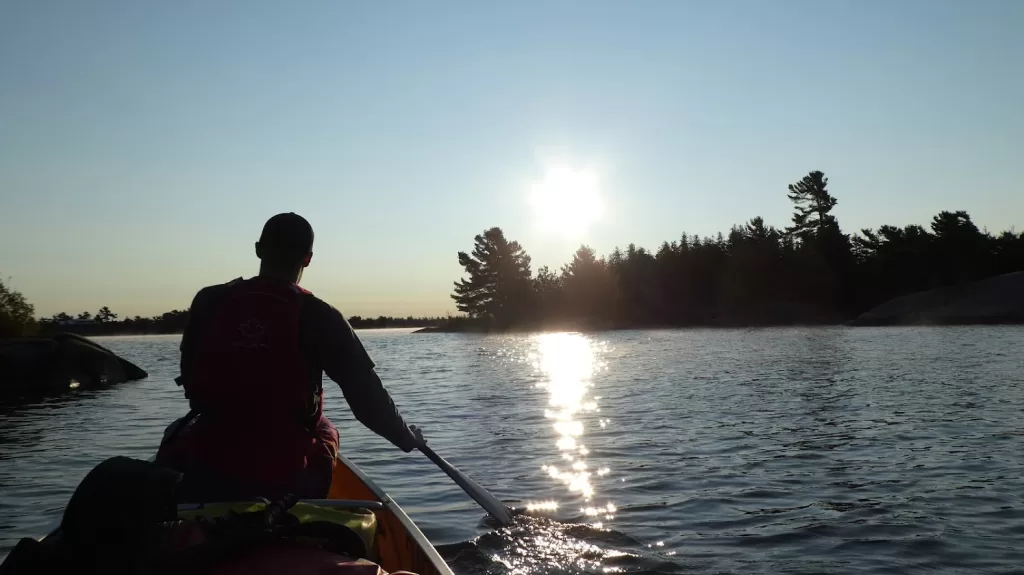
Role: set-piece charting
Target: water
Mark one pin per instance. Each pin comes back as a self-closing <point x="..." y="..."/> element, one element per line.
<point x="707" y="451"/>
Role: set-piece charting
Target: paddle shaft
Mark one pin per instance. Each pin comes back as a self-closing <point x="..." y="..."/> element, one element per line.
<point x="489" y="502"/>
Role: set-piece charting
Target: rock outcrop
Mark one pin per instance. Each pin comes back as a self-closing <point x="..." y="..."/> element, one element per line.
<point x="59" y="363"/>
<point x="995" y="300"/>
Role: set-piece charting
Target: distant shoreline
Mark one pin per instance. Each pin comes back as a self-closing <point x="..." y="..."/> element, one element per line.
<point x="94" y="333"/>
<point x="997" y="300"/>
<point x="725" y="325"/>
<point x="479" y="329"/>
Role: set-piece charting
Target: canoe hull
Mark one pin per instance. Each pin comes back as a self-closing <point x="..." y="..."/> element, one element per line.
<point x="400" y="545"/>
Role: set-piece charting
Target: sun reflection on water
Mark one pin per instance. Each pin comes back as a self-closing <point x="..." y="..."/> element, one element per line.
<point x="580" y="539"/>
<point x="568" y="362"/>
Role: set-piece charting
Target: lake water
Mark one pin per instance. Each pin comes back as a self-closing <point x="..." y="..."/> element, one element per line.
<point x="825" y="450"/>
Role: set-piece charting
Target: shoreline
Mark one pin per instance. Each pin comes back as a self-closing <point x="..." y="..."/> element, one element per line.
<point x="478" y="329"/>
<point x="854" y="323"/>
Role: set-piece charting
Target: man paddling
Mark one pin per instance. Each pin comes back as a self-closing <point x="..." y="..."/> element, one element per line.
<point x="252" y="359"/>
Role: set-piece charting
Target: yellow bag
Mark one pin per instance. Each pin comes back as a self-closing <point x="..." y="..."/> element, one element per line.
<point x="362" y="521"/>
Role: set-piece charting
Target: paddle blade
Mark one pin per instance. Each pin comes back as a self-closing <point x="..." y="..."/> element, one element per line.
<point x="489" y="502"/>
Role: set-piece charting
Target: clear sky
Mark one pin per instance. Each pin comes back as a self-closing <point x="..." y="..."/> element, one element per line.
<point x="143" y="144"/>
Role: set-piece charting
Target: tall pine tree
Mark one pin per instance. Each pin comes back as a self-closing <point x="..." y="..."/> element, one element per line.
<point x="813" y="206"/>
<point x="499" y="285"/>
<point x="825" y="262"/>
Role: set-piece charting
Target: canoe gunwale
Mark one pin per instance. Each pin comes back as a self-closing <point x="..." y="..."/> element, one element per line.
<point x="392" y="506"/>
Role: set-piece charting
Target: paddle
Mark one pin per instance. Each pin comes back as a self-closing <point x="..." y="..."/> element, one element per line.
<point x="489" y="502"/>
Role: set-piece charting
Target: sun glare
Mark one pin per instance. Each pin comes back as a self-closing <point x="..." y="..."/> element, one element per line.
<point x="567" y="200"/>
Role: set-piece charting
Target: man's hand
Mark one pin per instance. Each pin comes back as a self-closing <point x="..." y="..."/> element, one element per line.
<point x="417" y="433"/>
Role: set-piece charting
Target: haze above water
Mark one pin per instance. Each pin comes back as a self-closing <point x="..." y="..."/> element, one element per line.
<point x="706" y="451"/>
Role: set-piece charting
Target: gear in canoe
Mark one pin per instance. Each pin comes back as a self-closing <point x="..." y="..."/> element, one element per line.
<point x="125" y="518"/>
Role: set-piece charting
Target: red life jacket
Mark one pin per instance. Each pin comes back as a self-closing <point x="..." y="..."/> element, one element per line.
<point x="252" y="385"/>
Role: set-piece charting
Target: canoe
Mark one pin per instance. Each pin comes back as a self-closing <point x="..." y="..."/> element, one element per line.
<point x="392" y="540"/>
<point x="399" y="544"/>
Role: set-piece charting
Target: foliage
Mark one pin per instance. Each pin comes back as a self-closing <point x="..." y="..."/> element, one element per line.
<point x="105" y="323"/>
<point x="379" y="322"/>
<point x="814" y="205"/>
<point x="15" y="313"/>
<point x="105" y="315"/>
<point x="547" y="289"/>
<point x="499" y="284"/>
<point x="588" y="287"/>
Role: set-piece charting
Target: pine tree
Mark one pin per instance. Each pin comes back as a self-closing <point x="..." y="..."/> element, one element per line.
<point x="589" y="286"/>
<point x="105" y="315"/>
<point x="498" y="286"/>
<point x="547" y="289"/>
<point x="813" y="206"/>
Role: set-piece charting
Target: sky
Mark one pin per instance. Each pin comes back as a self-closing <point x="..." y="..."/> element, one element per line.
<point x="144" y="144"/>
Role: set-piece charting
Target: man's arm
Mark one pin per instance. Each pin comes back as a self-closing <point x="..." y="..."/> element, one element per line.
<point x="189" y="338"/>
<point x="346" y="362"/>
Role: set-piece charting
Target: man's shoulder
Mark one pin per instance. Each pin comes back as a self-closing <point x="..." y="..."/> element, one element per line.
<point x="318" y="307"/>
<point x="212" y="291"/>
<point x="340" y="348"/>
<point x="217" y="288"/>
<point x="326" y="318"/>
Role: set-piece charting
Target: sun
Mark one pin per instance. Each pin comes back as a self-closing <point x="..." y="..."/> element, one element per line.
<point x="567" y="200"/>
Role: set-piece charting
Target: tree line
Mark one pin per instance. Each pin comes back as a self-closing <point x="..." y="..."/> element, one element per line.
<point x="17" y="319"/>
<point x="808" y="272"/>
<point x="383" y="322"/>
<point x="105" y="322"/>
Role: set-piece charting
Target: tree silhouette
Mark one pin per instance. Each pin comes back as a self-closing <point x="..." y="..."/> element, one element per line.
<point x="813" y="206"/>
<point x="824" y="256"/>
<point x="589" y="286"/>
<point x="547" y="287"/>
<point x="105" y="315"/>
<point x="499" y="285"/>
<point x="960" y="250"/>
<point x="1007" y="252"/>
<point x="85" y="316"/>
<point x="636" y="283"/>
<point x="15" y="312"/>
<point x="754" y="281"/>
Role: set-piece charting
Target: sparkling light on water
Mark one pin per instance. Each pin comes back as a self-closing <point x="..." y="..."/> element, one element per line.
<point x="568" y="363"/>
<point x="542" y="506"/>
